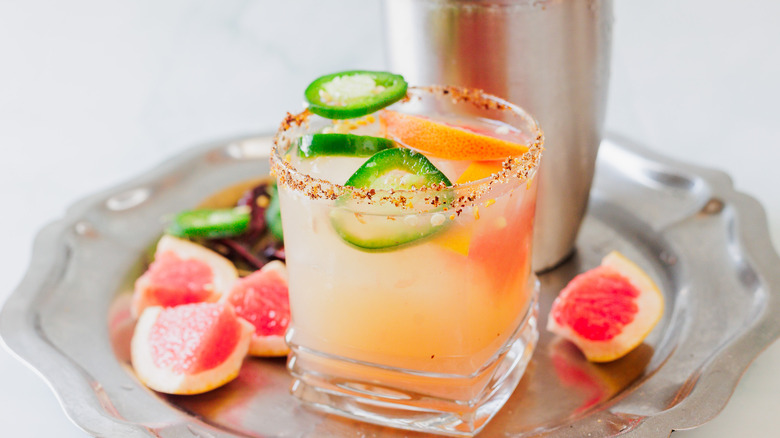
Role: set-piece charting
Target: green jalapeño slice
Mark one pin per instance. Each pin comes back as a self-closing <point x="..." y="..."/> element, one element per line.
<point x="210" y="223"/>
<point x="273" y="215"/>
<point x="351" y="94"/>
<point x="347" y="145"/>
<point x="391" y="169"/>
<point x="400" y="169"/>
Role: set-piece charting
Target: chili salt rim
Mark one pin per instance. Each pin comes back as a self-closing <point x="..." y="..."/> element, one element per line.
<point x="522" y="167"/>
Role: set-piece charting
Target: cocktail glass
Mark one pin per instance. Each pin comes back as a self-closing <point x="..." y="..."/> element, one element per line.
<point x="433" y="334"/>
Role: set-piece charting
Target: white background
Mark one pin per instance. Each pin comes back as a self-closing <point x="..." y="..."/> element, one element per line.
<point x="93" y="93"/>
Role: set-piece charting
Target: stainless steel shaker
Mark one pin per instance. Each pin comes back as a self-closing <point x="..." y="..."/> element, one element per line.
<point x="549" y="56"/>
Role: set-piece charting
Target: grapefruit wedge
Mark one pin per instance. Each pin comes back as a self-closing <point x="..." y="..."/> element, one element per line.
<point x="262" y="299"/>
<point x="189" y="349"/>
<point x="445" y="141"/>
<point x="609" y="310"/>
<point x="182" y="273"/>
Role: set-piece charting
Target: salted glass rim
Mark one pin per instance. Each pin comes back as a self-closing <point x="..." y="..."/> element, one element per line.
<point x="517" y="169"/>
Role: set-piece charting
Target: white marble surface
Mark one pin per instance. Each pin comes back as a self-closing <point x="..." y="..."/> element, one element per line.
<point x="95" y="92"/>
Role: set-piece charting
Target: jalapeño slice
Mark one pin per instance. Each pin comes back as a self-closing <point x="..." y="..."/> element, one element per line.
<point x="355" y="93"/>
<point x="349" y="145"/>
<point x="210" y="223"/>
<point x="400" y="169"/>
<point x="273" y="215"/>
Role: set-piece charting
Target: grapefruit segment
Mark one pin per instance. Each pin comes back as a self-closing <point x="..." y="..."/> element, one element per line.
<point x="189" y="349"/>
<point x="182" y="273"/>
<point x="262" y="299"/>
<point x="478" y="170"/>
<point x="444" y="141"/>
<point x="609" y="310"/>
<point x="456" y="239"/>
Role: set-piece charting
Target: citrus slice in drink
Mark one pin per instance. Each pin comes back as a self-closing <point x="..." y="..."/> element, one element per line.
<point x="441" y="140"/>
<point x="189" y="349"/>
<point x="262" y="299"/>
<point x="608" y="310"/>
<point x="478" y="170"/>
<point x="182" y="273"/>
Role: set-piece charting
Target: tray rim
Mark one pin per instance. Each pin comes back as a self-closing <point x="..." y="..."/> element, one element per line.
<point x="714" y="387"/>
<point x="20" y="328"/>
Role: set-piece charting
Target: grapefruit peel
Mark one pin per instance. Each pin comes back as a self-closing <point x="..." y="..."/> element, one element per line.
<point x="648" y="303"/>
<point x="169" y="381"/>
<point x="223" y="275"/>
<point x="444" y="141"/>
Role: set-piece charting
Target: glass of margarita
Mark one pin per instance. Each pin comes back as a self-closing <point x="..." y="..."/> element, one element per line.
<point x="412" y="297"/>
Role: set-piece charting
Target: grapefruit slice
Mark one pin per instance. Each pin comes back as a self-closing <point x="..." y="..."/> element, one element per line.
<point x="444" y="141"/>
<point x="182" y="273"/>
<point x="189" y="349"/>
<point x="262" y="299"/>
<point x="609" y="310"/>
<point x="478" y="170"/>
<point x="456" y="239"/>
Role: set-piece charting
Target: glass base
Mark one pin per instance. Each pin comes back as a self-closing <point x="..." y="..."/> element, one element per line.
<point x="440" y="403"/>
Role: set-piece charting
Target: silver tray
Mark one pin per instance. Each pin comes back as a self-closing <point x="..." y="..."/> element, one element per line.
<point x="706" y="245"/>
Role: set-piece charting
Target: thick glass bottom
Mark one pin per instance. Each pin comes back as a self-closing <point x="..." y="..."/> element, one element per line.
<point x="440" y="403"/>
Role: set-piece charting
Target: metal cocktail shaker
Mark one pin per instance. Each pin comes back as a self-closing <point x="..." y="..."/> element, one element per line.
<point x="549" y="56"/>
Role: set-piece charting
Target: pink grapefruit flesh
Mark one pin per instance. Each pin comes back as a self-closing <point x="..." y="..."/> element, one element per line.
<point x="182" y="273"/>
<point x="191" y="339"/>
<point x="609" y="310"/>
<point x="601" y="303"/>
<point x="189" y="349"/>
<point x="262" y="299"/>
<point x="174" y="280"/>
